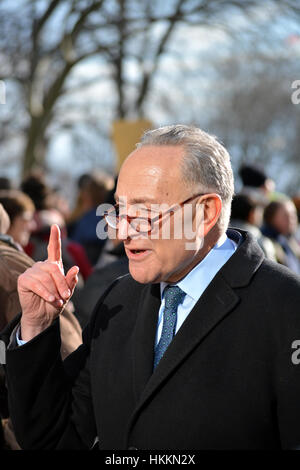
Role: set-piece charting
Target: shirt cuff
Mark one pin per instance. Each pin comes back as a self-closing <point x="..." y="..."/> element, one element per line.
<point x="20" y="342"/>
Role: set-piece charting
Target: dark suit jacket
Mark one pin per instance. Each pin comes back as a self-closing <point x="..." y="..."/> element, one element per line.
<point x="227" y="381"/>
<point x="96" y="285"/>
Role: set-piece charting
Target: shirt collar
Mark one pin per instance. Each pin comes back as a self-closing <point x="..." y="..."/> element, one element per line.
<point x="196" y="281"/>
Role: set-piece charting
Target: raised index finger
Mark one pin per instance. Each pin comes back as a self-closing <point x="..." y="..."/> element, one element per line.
<point x="54" y="245"/>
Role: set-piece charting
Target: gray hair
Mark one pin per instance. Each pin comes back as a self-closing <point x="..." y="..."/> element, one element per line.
<point x="206" y="163"/>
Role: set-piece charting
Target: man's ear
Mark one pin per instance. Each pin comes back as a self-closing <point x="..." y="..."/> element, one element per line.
<point x="212" y="206"/>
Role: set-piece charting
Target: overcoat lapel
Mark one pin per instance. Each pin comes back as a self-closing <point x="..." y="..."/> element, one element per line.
<point x="144" y="337"/>
<point x="215" y="303"/>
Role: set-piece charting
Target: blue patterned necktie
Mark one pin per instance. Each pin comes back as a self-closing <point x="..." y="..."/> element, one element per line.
<point x="173" y="297"/>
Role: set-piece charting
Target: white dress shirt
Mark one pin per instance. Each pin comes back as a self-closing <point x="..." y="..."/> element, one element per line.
<point x="197" y="280"/>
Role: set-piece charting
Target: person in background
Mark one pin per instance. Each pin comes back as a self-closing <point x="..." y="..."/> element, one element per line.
<point x="58" y="201"/>
<point x="296" y="201"/>
<point x="20" y="209"/>
<point x="280" y="225"/>
<point x="79" y="207"/>
<point x="257" y="184"/>
<point x="94" y="191"/>
<point x="35" y="186"/>
<point x="255" y="181"/>
<point x="247" y="214"/>
<point x="4" y="226"/>
<point x="13" y="262"/>
<point x="4" y="220"/>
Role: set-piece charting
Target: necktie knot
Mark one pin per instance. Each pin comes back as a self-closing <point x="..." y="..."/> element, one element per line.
<point x="173" y="296"/>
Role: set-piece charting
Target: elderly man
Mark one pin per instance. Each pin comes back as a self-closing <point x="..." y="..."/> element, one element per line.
<point x="195" y="349"/>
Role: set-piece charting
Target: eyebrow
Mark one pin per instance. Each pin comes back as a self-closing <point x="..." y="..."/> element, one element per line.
<point x="138" y="200"/>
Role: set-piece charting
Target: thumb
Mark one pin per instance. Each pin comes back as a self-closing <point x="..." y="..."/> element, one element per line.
<point x="72" y="277"/>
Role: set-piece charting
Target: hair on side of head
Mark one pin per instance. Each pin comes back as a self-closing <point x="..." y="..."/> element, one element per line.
<point x="206" y="162"/>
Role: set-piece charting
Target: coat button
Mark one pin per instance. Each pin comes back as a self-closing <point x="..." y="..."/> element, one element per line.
<point x="132" y="448"/>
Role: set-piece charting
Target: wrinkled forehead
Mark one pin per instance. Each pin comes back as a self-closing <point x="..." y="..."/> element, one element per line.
<point x="151" y="174"/>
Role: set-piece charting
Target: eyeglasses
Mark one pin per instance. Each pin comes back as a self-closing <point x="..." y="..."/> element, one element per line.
<point x="140" y="224"/>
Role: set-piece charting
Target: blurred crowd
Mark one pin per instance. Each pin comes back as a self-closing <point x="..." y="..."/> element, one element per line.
<point x="28" y="211"/>
<point x="272" y="217"/>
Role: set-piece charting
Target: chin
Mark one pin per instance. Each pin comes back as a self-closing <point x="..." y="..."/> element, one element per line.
<point x="24" y="242"/>
<point x="143" y="276"/>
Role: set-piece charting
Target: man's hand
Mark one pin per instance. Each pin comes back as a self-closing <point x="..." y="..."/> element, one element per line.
<point x="44" y="289"/>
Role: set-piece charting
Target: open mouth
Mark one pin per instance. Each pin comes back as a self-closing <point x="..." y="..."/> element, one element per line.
<point x="137" y="254"/>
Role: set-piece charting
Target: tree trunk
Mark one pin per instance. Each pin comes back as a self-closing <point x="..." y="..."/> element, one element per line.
<point x="35" y="150"/>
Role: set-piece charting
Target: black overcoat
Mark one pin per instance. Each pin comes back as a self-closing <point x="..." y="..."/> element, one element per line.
<point x="229" y="380"/>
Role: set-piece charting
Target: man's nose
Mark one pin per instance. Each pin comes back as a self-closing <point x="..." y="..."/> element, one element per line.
<point x="124" y="229"/>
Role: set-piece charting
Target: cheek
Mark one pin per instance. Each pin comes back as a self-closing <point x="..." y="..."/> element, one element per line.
<point x="293" y="220"/>
<point x="25" y="227"/>
<point x="148" y="271"/>
<point x="161" y="261"/>
<point x="15" y="227"/>
<point x="279" y="222"/>
<point x="170" y="253"/>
